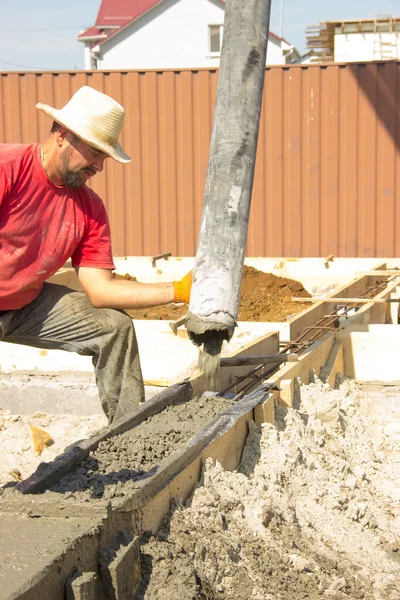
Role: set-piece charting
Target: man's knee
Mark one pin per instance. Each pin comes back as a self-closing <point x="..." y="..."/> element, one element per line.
<point x="116" y="320"/>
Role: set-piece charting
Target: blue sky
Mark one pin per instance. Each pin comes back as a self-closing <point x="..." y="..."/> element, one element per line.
<point x="41" y="34"/>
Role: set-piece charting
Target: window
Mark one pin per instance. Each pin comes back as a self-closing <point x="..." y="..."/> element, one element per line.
<point x="215" y="38"/>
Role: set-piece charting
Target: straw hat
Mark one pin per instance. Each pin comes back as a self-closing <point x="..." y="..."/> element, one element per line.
<point x="95" y="118"/>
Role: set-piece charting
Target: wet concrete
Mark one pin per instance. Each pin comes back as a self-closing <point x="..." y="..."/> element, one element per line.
<point x="113" y="468"/>
<point x="29" y="547"/>
<point x="32" y="545"/>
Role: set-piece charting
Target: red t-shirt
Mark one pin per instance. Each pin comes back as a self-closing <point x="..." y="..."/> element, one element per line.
<point x="43" y="225"/>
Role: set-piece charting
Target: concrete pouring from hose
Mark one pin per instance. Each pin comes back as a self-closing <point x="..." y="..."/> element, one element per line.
<point x="211" y="340"/>
<point x="213" y="306"/>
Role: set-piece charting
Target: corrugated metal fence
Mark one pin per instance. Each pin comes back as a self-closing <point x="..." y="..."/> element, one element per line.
<point x="328" y="164"/>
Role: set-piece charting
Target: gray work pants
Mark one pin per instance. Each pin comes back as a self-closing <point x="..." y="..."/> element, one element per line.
<point x="64" y="319"/>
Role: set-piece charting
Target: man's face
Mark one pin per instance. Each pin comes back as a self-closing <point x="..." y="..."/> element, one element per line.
<point x="79" y="161"/>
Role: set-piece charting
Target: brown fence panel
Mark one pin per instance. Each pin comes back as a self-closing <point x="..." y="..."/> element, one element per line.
<point x="328" y="160"/>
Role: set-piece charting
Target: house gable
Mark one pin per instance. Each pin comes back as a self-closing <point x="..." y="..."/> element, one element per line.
<point x="174" y="34"/>
<point x="115" y="15"/>
<point x="132" y="34"/>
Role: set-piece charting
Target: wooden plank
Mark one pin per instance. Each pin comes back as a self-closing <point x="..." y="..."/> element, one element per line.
<point x="315" y="358"/>
<point x="348" y="300"/>
<point x="239" y="361"/>
<point x="387" y="272"/>
<point x="265" y="411"/>
<point x="286" y="394"/>
<point x="334" y="365"/>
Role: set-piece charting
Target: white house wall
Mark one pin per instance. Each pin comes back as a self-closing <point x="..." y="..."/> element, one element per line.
<point x="172" y="35"/>
<point x="356" y="47"/>
<point x="274" y="52"/>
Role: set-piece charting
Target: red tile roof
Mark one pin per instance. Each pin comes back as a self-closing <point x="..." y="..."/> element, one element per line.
<point x="113" y="15"/>
<point x="92" y="32"/>
<point x="118" y="12"/>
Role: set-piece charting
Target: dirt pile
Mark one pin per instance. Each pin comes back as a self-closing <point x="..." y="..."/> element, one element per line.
<point x="313" y="512"/>
<point x="264" y="297"/>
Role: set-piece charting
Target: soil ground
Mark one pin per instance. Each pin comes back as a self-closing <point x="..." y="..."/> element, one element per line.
<point x="312" y="512"/>
<point x="264" y="297"/>
<point x="18" y="456"/>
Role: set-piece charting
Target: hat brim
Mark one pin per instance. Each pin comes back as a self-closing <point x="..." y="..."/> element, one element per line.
<point x="116" y="152"/>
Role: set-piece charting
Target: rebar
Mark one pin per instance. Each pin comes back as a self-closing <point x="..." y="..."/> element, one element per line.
<point x="329" y="322"/>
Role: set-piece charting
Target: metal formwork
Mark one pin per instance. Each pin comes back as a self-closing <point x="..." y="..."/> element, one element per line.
<point x="328" y="161"/>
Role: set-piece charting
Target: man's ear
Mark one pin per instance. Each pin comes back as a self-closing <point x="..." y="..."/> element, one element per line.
<point x="63" y="135"/>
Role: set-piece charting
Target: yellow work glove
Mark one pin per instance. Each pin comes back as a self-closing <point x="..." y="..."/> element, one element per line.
<point x="182" y="288"/>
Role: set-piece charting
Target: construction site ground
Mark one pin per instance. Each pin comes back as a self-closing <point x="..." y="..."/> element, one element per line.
<point x="311" y="512"/>
<point x="287" y="491"/>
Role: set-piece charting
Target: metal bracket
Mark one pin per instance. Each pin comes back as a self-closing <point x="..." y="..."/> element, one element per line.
<point x="176" y="324"/>
<point x="158" y="257"/>
<point x="328" y="259"/>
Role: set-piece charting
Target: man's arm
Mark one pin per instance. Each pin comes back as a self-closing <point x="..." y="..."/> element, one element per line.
<point x="104" y="291"/>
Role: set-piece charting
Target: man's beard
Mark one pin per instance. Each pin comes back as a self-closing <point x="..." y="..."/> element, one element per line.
<point x="71" y="178"/>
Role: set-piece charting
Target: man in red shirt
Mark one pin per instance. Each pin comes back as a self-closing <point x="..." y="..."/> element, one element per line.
<point x="48" y="215"/>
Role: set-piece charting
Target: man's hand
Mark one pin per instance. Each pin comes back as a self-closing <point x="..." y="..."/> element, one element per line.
<point x="182" y="288"/>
